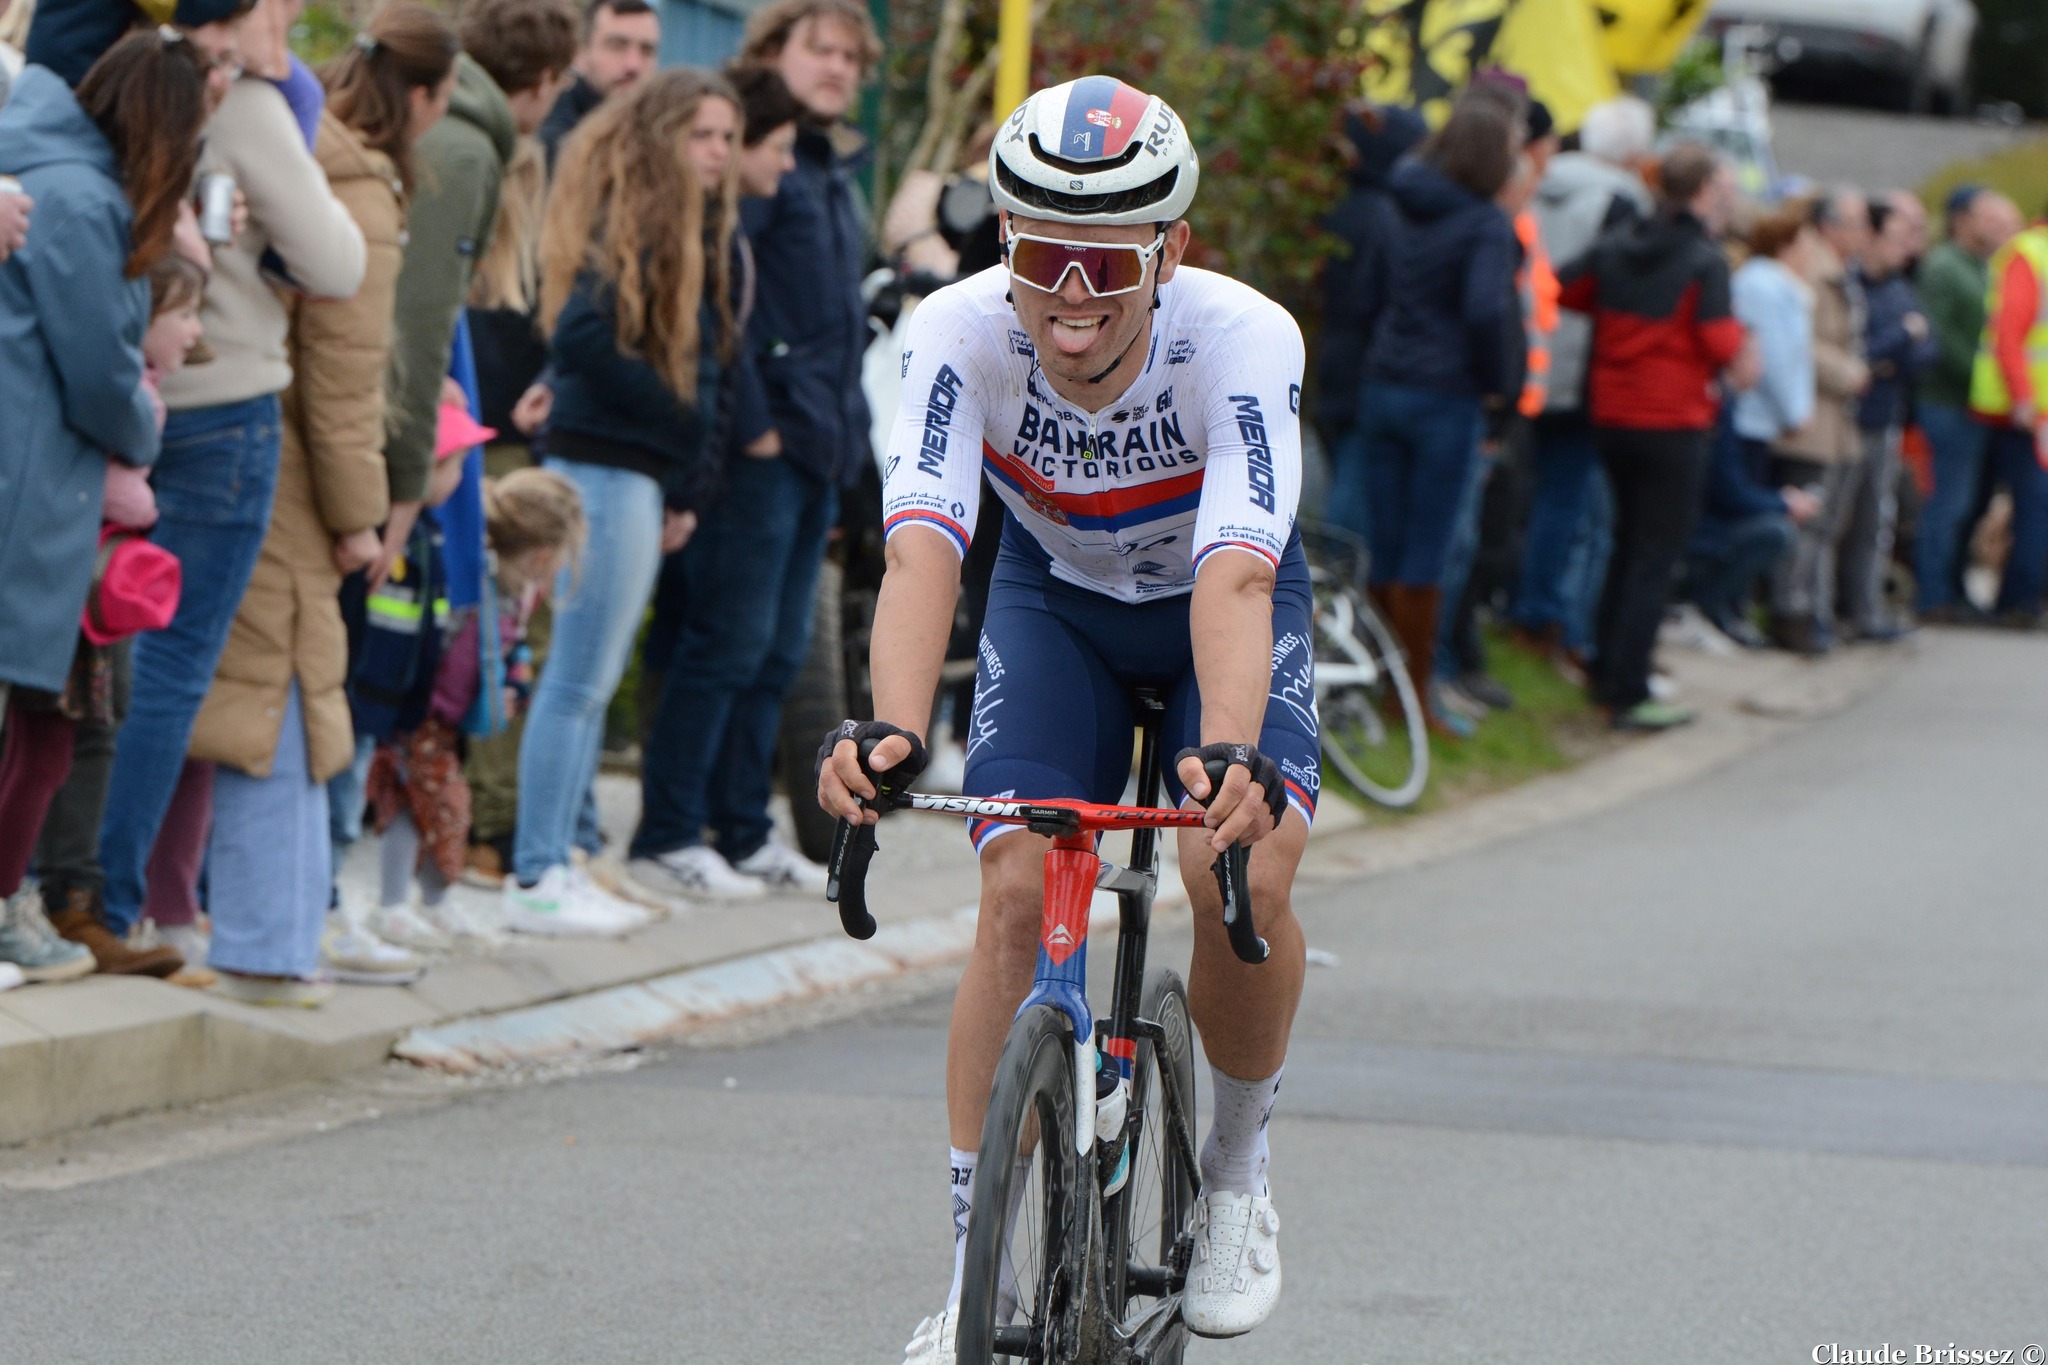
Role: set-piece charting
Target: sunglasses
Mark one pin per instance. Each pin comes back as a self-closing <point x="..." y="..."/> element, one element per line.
<point x="1106" y="268"/>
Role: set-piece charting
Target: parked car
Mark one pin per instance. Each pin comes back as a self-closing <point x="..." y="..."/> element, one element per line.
<point x="1913" y="54"/>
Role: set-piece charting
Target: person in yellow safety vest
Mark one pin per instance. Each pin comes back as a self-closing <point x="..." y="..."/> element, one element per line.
<point x="2008" y="388"/>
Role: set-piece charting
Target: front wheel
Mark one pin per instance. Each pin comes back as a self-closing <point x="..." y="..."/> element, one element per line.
<point x="1019" y="1277"/>
<point x="1145" y="1222"/>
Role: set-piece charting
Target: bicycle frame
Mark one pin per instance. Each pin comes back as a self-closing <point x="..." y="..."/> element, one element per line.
<point x="1074" y="871"/>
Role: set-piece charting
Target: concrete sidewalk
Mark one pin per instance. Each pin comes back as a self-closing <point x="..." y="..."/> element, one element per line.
<point x="82" y="1053"/>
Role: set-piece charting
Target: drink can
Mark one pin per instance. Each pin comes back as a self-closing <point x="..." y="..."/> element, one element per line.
<point x="217" y="207"/>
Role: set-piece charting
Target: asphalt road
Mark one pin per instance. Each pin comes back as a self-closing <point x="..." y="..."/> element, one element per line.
<point x="1880" y="151"/>
<point x="1738" y="1071"/>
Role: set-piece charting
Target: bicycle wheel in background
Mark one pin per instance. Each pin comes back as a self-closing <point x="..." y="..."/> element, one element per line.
<point x="1373" y="728"/>
<point x="1144" y="1222"/>
<point x="1018" y="1272"/>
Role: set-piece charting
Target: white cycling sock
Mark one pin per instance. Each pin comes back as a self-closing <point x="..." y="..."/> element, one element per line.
<point x="1234" y="1158"/>
<point x="961" y="1182"/>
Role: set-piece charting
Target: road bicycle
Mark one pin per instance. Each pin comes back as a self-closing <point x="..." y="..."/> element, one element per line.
<point x="1085" y="1186"/>
<point x="1374" y="731"/>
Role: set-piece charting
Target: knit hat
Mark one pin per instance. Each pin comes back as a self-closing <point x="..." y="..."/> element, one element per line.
<point x="136" y="588"/>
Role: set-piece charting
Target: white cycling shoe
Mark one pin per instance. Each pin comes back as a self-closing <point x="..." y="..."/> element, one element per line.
<point x="935" y="1341"/>
<point x="1234" y="1279"/>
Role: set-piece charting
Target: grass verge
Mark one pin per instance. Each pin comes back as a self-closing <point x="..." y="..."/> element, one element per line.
<point x="1551" y="727"/>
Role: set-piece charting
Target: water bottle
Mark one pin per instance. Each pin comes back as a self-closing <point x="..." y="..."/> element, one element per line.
<point x="1112" y="1100"/>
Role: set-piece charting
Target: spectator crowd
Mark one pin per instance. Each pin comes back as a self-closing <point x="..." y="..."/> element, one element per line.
<point x="363" y="423"/>
<point x="356" y="419"/>
<point x="1594" y="391"/>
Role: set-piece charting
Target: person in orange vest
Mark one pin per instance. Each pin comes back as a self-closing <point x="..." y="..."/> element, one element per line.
<point x="2009" y="392"/>
<point x="1466" y="691"/>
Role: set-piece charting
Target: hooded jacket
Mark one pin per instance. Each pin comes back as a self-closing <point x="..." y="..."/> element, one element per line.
<point x="71" y="394"/>
<point x="458" y="168"/>
<point x="330" y="483"/>
<point x="1580" y="198"/>
<point x="1664" y="327"/>
<point x="1449" y="311"/>
<point x="1355" y="280"/>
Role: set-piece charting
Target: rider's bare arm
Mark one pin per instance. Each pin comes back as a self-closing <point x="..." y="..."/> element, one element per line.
<point x="1230" y="619"/>
<point x="913" y="622"/>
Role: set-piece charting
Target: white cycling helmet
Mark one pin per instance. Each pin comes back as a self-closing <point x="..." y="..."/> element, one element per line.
<point x="1094" y="151"/>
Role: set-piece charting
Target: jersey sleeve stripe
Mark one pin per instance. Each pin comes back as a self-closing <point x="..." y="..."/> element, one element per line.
<point x="953" y="529"/>
<point x="1261" y="551"/>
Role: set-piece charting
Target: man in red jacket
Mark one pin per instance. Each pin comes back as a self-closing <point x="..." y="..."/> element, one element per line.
<point x="1663" y="331"/>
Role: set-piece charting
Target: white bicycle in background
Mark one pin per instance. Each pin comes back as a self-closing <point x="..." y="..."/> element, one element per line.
<point x="1373" y="728"/>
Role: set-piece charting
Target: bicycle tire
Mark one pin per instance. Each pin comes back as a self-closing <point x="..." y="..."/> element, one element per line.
<point x="1144" y="1222"/>
<point x="1361" y="682"/>
<point x="1033" y="1096"/>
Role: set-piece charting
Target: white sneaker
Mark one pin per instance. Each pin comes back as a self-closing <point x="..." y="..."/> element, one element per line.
<point x="1687" y="627"/>
<point x="611" y="878"/>
<point x="934" y="1342"/>
<point x="1234" y="1279"/>
<point x="697" y="872"/>
<point x="779" y="865"/>
<point x="352" y="953"/>
<point x="603" y="900"/>
<point x="1663" y="687"/>
<point x="192" y="942"/>
<point x="403" y="925"/>
<point x="556" y="907"/>
<point x="10" y="976"/>
<point x="468" y="920"/>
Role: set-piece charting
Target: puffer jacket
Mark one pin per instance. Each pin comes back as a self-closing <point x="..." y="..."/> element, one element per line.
<point x="1448" y="315"/>
<point x="71" y="329"/>
<point x="330" y="483"/>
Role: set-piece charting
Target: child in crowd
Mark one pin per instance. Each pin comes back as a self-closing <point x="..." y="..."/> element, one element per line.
<point x="535" y="525"/>
<point x="134" y="586"/>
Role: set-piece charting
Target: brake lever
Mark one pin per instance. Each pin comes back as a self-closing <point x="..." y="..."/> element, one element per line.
<point x="853" y="848"/>
<point x="1233" y="872"/>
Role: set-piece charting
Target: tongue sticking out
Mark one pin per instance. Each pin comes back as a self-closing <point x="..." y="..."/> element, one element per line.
<point x="1072" y="340"/>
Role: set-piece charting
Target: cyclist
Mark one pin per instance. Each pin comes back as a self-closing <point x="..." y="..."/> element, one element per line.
<point x="1139" y="420"/>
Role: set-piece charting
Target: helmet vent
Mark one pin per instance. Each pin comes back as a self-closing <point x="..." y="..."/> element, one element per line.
<point x="1118" y="162"/>
<point x="1084" y="205"/>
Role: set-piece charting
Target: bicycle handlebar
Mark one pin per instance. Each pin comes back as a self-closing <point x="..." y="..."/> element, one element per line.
<point x="854" y="846"/>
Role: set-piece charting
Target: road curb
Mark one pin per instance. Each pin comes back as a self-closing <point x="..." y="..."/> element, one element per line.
<point x="106" y="1047"/>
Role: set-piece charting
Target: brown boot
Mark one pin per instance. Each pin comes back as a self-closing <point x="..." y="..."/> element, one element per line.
<point x="79" y="921"/>
<point x="1416" y="611"/>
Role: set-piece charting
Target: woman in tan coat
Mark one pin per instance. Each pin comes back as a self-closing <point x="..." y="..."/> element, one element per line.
<point x="277" y="720"/>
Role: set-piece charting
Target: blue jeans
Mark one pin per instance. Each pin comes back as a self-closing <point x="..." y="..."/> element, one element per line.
<point x="1458" y="568"/>
<point x="1720" y="586"/>
<point x="214" y="483"/>
<point x="598" y="609"/>
<point x="269" y="868"/>
<point x="1959" y="443"/>
<point x="2026" y="572"/>
<point x="751" y="574"/>
<point x="1564" y="555"/>
<point x="1421" y="454"/>
<point x="1346" y="504"/>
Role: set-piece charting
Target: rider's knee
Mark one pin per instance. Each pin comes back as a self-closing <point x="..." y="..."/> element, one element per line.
<point x="1013" y="888"/>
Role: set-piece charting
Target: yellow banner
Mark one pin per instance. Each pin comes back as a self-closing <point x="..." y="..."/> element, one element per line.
<point x="1423" y="52"/>
<point x="1644" y="37"/>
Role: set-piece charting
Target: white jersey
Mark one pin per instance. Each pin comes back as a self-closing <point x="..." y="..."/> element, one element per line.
<point x="1202" y="453"/>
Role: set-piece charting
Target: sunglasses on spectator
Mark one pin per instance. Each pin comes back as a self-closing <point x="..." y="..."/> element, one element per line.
<point x="1107" y="268"/>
